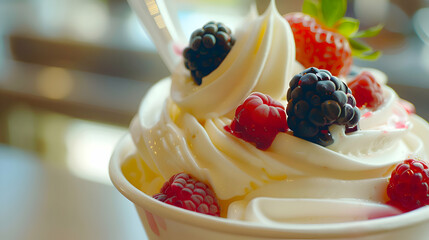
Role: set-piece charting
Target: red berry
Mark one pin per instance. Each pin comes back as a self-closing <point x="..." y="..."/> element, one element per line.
<point x="366" y="90"/>
<point x="258" y="120"/>
<point x="319" y="46"/>
<point x="409" y="107"/>
<point x="408" y="187"/>
<point x="184" y="191"/>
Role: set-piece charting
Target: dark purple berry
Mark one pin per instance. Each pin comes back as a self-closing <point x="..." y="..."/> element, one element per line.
<point x="324" y="138"/>
<point x="339" y="97"/>
<point x="222" y="28"/>
<point x="310" y="70"/>
<point x="355" y="118"/>
<point x="301" y="109"/>
<point x="331" y="109"/>
<point x="343" y="87"/>
<point x="192" y="65"/>
<point x="204" y="51"/>
<point x="209" y="40"/>
<point x="195" y="43"/>
<point x="326" y="71"/>
<point x="307" y="129"/>
<point x="292" y="122"/>
<point x="337" y="82"/>
<point x="351" y="100"/>
<point x="352" y="129"/>
<point x="346" y="115"/>
<point x="232" y="39"/>
<point x="308" y="81"/>
<point x="297" y="94"/>
<point x="325" y="87"/>
<point x="208" y="47"/>
<point x="316" y="100"/>
<point x="187" y="53"/>
<point x="294" y="81"/>
<point x="316" y="117"/>
<point x="198" y="32"/>
<point x="206" y="62"/>
<point x="222" y="38"/>
<point x="323" y="76"/>
<point x="290" y="108"/>
<point x="289" y="94"/>
<point x="210" y="29"/>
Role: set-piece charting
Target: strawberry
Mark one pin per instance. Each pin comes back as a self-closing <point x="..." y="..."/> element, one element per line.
<point x="258" y="120"/>
<point x="319" y="46"/>
<point x="325" y="39"/>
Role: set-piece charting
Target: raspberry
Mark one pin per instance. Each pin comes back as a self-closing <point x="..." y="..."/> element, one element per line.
<point x="207" y="48"/>
<point x="258" y="120"/>
<point x="184" y="191"/>
<point x="367" y="91"/>
<point x="408" y="185"/>
<point x="316" y="100"/>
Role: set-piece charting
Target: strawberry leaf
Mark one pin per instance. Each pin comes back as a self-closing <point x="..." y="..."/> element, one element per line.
<point x="370" y="32"/>
<point x="347" y="26"/>
<point x="363" y="51"/>
<point x="333" y="10"/>
<point x="370" y="56"/>
<point x="311" y="8"/>
<point x="358" y="46"/>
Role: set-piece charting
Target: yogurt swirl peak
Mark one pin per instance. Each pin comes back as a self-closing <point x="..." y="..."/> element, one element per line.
<point x="261" y="60"/>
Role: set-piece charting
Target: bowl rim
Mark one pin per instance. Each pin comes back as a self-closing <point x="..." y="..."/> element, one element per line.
<point x="126" y="148"/>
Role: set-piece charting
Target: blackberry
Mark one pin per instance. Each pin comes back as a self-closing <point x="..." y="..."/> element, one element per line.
<point x="316" y="100"/>
<point x="208" y="47"/>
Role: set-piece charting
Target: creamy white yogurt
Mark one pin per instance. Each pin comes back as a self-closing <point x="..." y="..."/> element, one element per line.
<point x="180" y="128"/>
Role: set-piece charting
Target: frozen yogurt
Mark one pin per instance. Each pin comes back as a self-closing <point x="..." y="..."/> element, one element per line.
<point x="181" y="127"/>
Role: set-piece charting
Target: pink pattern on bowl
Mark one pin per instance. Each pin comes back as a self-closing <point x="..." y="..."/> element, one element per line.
<point x="152" y="223"/>
<point x="155" y="221"/>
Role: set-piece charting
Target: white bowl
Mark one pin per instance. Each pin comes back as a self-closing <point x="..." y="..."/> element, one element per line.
<point x="162" y="221"/>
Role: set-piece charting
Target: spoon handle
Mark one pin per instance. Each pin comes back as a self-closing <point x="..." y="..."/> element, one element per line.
<point x="155" y="18"/>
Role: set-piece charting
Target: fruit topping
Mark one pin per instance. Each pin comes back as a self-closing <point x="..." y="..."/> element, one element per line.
<point x="208" y="47"/>
<point x="316" y="100"/>
<point x="184" y="191"/>
<point x="325" y="39"/>
<point x="408" y="187"/>
<point x="409" y="107"/>
<point x="367" y="91"/>
<point x="258" y="120"/>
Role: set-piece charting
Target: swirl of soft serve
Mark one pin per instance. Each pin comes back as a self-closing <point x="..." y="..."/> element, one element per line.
<point x="180" y="128"/>
<point x="261" y="60"/>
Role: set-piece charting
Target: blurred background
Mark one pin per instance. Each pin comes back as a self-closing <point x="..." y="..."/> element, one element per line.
<point x="72" y="74"/>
